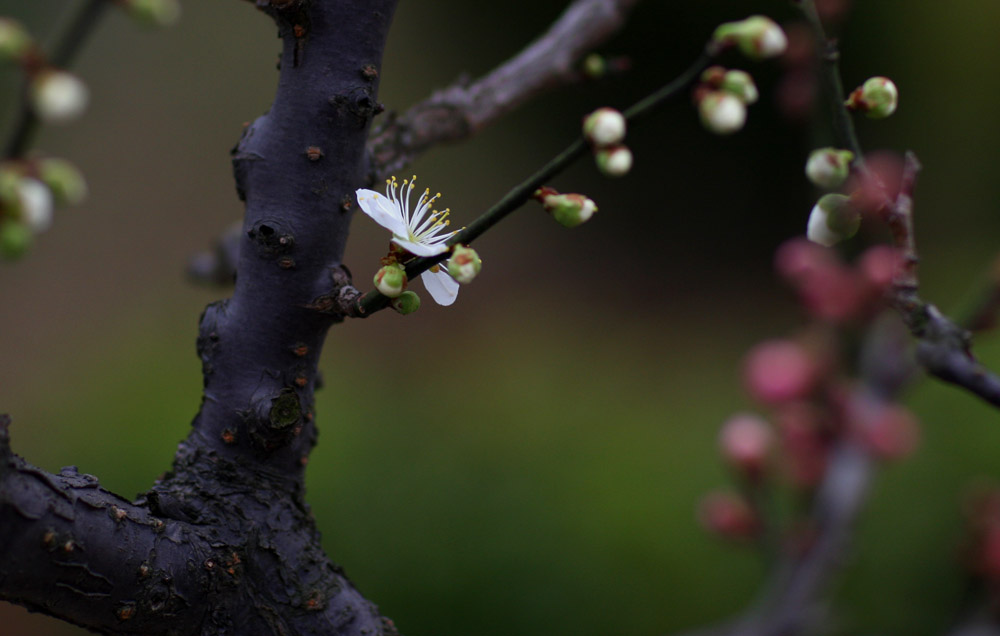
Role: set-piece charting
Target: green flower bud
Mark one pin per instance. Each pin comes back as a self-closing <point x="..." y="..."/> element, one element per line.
<point x="14" y="39"/>
<point x="595" y="66"/>
<point x="406" y="303"/>
<point x="877" y="98"/>
<point x="390" y="280"/>
<point x="828" y="167"/>
<point x="832" y="220"/>
<point x="464" y="264"/>
<point x="741" y="85"/>
<point x="604" y="127"/>
<point x="569" y="210"/>
<point x="15" y="239"/>
<point x="154" y="13"/>
<point x="722" y="113"/>
<point x="64" y="179"/>
<point x="758" y="37"/>
<point x="614" y="161"/>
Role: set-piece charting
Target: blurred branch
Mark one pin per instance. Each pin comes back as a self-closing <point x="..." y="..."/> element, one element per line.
<point x="374" y="301"/>
<point x="462" y="109"/>
<point x="943" y="347"/>
<point x="65" y="50"/>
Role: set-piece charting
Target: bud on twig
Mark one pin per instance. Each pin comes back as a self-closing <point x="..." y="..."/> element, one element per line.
<point x="464" y="264"/>
<point x="614" y="161"/>
<point x="15" y="40"/>
<point x="758" y="37"/>
<point x="15" y="239"/>
<point x="877" y="98"/>
<point x="779" y="371"/>
<point x="722" y="112"/>
<point x="833" y="219"/>
<point x="406" y="303"/>
<point x="604" y="127"/>
<point x="58" y="96"/>
<point x="569" y="210"/>
<point x="155" y="13"/>
<point x="64" y="179"/>
<point x="745" y="441"/>
<point x="390" y="280"/>
<point x="828" y="167"/>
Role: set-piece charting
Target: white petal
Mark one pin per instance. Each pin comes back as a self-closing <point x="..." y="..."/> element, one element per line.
<point x="36" y="204"/>
<point x="420" y="249"/>
<point x="381" y="210"/>
<point x="442" y="287"/>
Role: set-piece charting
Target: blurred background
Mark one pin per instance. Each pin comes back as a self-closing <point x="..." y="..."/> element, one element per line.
<point x="540" y="468"/>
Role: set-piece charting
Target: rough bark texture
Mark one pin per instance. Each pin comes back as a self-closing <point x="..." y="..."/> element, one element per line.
<point x="224" y="543"/>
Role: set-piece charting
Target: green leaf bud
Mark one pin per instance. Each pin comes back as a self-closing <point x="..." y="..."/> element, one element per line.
<point x="15" y="239"/>
<point x="406" y="303"/>
<point x="154" y="13"/>
<point x="64" y="179"/>
<point x="15" y="40"/>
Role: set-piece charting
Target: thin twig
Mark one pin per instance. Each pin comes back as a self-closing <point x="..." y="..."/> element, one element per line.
<point x="462" y="109"/>
<point x="374" y="301"/>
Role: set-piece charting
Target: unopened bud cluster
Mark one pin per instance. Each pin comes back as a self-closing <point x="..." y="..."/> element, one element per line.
<point x="605" y="130"/>
<point x="722" y="98"/>
<point x="29" y="191"/>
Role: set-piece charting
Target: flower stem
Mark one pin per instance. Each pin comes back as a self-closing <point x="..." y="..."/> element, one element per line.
<point x="374" y="301"/>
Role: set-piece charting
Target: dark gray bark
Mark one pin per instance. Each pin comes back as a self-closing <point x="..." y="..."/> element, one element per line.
<point x="224" y="543"/>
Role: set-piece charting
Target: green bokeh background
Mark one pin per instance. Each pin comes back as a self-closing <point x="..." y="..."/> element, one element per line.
<point x="527" y="461"/>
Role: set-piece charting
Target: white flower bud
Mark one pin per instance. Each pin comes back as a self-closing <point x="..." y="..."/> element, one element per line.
<point x="604" y="127"/>
<point x="877" y="98"/>
<point x="614" y="161"/>
<point x="758" y="37"/>
<point x="58" y="96"/>
<point x="390" y="280"/>
<point x="741" y="85"/>
<point x="828" y="167"/>
<point x="832" y="220"/>
<point x="722" y="113"/>
<point x="35" y="204"/>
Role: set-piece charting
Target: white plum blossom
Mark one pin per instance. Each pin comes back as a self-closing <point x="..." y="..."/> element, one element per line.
<point x="58" y="96"/>
<point x="421" y="231"/>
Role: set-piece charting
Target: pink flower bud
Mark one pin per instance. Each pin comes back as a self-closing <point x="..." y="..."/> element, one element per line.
<point x="778" y="371"/>
<point x="878" y="265"/>
<point x="745" y="441"/>
<point x="728" y="516"/>
<point x="890" y="431"/>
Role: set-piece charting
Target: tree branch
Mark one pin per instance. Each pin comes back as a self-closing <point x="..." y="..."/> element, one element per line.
<point x="943" y="347"/>
<point x="462" y="109"/>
